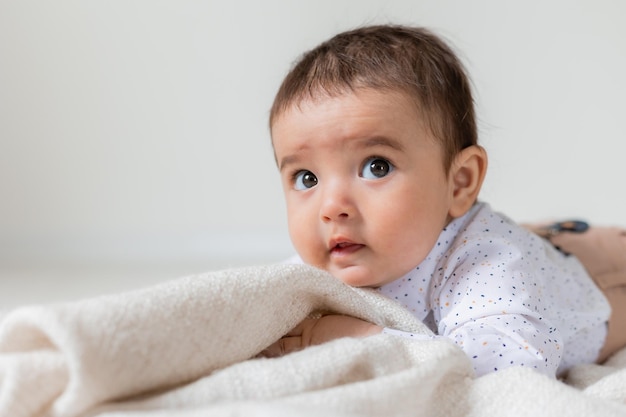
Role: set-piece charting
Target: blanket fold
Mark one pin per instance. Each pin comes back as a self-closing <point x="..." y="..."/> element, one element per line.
<point x="123" y="345"/>
<point x="189" y="347"/>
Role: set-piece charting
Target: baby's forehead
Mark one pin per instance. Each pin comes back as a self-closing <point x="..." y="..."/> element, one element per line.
<point x="363" y="114"/>
<point x="366" y="95"/>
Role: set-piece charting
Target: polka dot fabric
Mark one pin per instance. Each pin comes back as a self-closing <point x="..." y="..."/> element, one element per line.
<point x="505" y="296"/>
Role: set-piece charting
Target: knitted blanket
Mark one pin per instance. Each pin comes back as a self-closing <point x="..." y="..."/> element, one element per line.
<point x="189" y="347"/>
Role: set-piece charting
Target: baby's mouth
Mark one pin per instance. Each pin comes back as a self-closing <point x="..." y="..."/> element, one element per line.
<point x="345" y="248"/>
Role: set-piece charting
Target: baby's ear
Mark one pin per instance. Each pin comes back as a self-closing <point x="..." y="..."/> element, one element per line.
<point x="466" y="178"/>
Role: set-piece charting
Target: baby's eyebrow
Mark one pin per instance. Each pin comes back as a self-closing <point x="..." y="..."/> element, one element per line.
<point x="287" y="160"/>
<point x="370" y="142"/>
<point x="381" y="141"/>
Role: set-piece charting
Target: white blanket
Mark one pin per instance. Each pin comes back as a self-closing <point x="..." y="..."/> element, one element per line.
<point x="188" y="348"/>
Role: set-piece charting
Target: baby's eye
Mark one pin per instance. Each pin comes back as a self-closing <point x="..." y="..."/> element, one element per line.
<point x="375" y="168"/>
<point x="304" y="180"/>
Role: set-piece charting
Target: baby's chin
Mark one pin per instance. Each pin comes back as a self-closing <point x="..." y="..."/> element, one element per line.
<point x="357" y="276"/>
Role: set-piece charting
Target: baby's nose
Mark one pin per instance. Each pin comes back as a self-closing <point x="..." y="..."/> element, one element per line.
<point x="337" y="203"/>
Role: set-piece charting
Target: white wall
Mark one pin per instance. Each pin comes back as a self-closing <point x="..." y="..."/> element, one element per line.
<point x="135" y="131"/>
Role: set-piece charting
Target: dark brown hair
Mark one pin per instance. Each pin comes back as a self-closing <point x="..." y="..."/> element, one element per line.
<point x="402" y="59"/>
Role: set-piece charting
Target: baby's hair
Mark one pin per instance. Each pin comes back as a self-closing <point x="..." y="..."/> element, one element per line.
<point x="403" y="59"/>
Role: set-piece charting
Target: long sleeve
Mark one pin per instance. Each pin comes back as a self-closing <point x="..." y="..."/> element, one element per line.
<point x="497" y="302"/>
<point x="505" y="296"/>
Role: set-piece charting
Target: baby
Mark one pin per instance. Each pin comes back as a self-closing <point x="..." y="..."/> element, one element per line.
<point x="375" y="138"/>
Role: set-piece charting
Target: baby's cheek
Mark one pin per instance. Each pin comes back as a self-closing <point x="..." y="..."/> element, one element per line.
<point x="307" y="244"/>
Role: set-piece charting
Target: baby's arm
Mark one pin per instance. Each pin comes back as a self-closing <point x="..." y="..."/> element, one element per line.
<point x="494" y="310"/>
<point x="317" y="331"/>
<point x="501" y="341"/>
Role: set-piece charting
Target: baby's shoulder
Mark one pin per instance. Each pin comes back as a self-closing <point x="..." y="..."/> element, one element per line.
<point x="490" y="239"/>
<point x="484" y="227"/>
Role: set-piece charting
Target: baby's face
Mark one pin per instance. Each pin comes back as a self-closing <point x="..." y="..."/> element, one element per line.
<point x="366" y="191"/>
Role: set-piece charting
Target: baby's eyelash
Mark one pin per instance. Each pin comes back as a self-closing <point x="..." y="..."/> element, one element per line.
<point x="374" y="157"/>
<point x="294" y="174"/>
<point x="304" y="180"/>
<point x="377" y="156"/>
<point x="376" y="167"/>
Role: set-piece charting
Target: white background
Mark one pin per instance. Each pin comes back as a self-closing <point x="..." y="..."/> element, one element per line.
<point x="133" y="134"/>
